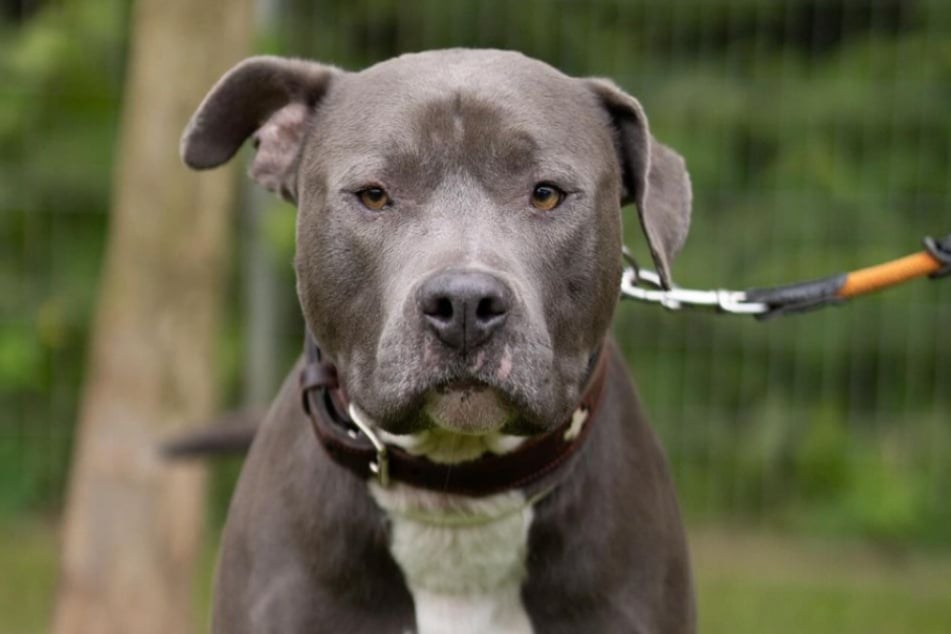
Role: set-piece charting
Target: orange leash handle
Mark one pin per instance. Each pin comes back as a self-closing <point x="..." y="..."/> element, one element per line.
<point x="881" y="276"/>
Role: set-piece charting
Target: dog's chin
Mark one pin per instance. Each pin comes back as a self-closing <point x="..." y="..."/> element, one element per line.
<point x="470" y="410"/>
<point x="460" y="422"/>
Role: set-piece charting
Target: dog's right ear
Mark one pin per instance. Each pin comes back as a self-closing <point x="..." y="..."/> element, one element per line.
<point x="272" y="98"/>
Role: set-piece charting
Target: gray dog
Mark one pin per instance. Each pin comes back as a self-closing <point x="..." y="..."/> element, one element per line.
<point x="481" y="462"/>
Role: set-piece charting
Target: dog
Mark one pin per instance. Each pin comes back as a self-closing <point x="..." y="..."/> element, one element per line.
<point x="481" y="462"/>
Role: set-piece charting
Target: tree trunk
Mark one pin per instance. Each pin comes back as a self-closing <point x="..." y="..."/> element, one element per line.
<point x="132" y="529"/>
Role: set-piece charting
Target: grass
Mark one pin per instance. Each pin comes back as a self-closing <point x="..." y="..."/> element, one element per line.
<point x="27" y="575"/>
<point x="750" y="582"/>
<point x="747" y="582"/>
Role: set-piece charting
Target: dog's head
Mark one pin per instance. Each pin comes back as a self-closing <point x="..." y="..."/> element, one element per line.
<point x="458" y="233"/>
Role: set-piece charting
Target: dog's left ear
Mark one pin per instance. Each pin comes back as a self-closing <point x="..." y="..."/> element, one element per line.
<point x="654" y="176"/>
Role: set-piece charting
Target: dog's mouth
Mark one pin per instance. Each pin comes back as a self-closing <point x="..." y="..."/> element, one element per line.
<point x="471" y="384"/>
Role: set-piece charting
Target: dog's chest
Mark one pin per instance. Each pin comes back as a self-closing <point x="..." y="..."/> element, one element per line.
<point x="463" y="559"/>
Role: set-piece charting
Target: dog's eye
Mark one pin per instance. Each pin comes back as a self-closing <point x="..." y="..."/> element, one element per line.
<point x="546" y="197"/>
<point x="374" y="198"/>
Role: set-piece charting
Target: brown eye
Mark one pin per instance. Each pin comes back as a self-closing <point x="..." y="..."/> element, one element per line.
<point x="374" y="198"/>
<point x="546" y="197"/>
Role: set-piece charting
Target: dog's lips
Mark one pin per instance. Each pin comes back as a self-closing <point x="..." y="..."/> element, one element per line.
<point x="461" y="385"/>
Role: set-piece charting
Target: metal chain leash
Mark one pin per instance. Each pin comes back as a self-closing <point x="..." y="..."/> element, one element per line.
<point x="643" y="285"/>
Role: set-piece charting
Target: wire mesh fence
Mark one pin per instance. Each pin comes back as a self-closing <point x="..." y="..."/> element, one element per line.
<point x="818" y="140"/>
<point x="62" y="66"/>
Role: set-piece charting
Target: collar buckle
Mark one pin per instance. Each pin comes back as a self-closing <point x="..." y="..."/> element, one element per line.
<point x="380" y="467"/>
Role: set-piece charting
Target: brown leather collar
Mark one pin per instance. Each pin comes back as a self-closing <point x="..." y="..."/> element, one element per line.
<point x="347" y="444"/>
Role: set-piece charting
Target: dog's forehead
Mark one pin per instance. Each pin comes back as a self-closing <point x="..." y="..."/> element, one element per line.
<point x="384" y="103"/>
<point x="478" y="70"/>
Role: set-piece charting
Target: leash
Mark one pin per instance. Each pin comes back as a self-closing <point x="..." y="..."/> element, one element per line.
<point x="644" y="285"/>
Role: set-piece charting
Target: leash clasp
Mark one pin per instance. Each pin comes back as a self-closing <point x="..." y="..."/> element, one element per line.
<point x="941" y="251"/>
<point x="381" y="466"/>
<point x="645" y="286"/>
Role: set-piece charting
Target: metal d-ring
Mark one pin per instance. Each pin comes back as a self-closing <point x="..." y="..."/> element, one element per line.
<point x="381" y="466"/>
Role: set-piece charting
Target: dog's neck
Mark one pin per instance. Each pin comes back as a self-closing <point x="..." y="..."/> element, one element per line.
<point x="463" y="558"/>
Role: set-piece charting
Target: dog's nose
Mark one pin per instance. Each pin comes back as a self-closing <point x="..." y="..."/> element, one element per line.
<point x="464" y="308"/>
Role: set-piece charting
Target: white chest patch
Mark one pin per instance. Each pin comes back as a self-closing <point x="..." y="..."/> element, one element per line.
<point x="463" y="558"/>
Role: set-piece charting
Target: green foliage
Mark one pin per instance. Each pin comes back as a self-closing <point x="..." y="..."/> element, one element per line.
<point x="818" y="140"/>
<point x="62" y="75"/>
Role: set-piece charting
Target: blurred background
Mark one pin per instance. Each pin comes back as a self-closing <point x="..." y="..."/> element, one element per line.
<point x="812" y="454"/>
